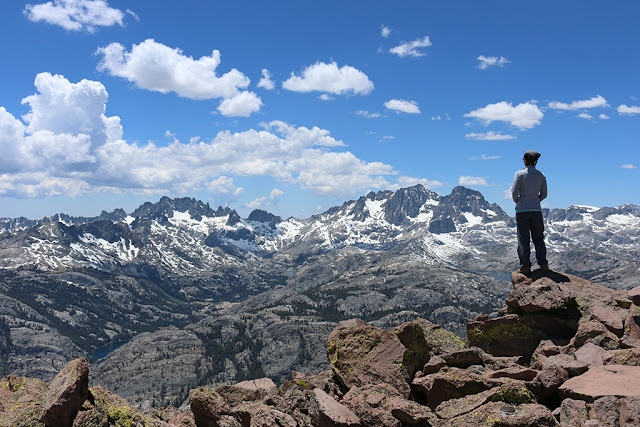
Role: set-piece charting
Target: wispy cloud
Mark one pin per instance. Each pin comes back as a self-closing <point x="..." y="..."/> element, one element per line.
<point x="484" y="157"/>
<point x="411" y="48"/>
<point x="488" y="61"/>
<point x="403" y="106"/>
<point x="585" y="116"/>
<point x="489" y="136"/>
<point x="628" y="166"/>
<point x="76" y="15"/>
<point x="385" y="31"/>
<point x="330" y="78"/>
<point x="473" y="180"/>
<point x="368" y="115"/>
<point x="596" y="101"/>
<point x="325" y="97"/>
<point x="523" y="116"/>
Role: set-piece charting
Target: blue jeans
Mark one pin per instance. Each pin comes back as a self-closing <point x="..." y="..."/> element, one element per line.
<point x="531" y="224"/>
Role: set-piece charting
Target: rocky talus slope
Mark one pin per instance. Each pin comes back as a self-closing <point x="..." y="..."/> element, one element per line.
<point x="564" y="352"/>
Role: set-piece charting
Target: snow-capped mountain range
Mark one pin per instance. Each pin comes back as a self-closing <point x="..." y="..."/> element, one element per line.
<point x="186" y="236"/>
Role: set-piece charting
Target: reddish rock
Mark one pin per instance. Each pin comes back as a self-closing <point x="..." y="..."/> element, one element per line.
<point x="542" y="295"/>
<point x="545" y="349"/>
<point x="591" y="354"/>
<point x="500" y="414"/>
<point x="463" y="358"/>
<point x="361" y="354"/>
<point x="450" y="384"/>
<point x="67" y="392"/>
<point x="455" y="407"/>
<point x="568" y="363"/>
<point x="515" y="372"/>
<point x="207" y="406"/>
<point x="551" y="377"/>
<point x="607" y="410"/>
<point x="371" y="404"/>
<point x="634" y="295"/>
<point x="599" y="381"/>
<point x="410" y="412"/>
<point x="424" y="340"/>
<point x="257" y="414"/>
<point x="247" y="390"/>
<point x="630" y="411"/>
<point x="332" y="413"/>
<point x="94" y="417"/>
<point x="611" y="319"/>
<point x="573" y="413"/>
<point x="173" y="417"/>
<point x="21" y="398"/>
<point x="596" y="333"/>
<point x="434" y="365"/>
<point x="629" y="356"/>
<point x="631" y="336"/>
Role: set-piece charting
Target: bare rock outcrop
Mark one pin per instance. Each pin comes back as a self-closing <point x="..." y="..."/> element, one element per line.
<point x="67" y="392"/>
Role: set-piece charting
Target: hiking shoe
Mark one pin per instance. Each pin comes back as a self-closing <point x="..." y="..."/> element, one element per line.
<point x="544" y="268"/>
<point x="524" y="270"/>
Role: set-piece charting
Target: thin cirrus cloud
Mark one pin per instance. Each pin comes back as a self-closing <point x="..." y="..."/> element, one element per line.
<point x="48" y="154"/>
<point x="523" y="116"/>
<point x="489" y="136"/>
<point x="330" y="78"/>
<point x="472" y="180"/>
<point x="367" y="114"/>
<point x="628" y="166"/>
<point x="631" y="110"/>
<point x="76" y="15"/>
<point x="411" y="48"/>
<point x="484" y="157"/>
<point x="402" y="106"/>
<point x="596" y="101"/>
<point x="490" y="61"/>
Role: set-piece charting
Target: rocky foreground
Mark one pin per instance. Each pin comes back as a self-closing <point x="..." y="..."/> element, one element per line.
<point x="563" y="352"/>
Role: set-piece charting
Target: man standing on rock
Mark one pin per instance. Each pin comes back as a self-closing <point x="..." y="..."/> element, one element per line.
<point x="528" y="190"/>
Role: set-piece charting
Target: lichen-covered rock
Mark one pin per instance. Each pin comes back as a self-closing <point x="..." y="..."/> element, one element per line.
<point x="207" y="406"/>
<point x="573" y="413"/>
<point x="67" y="392"/>
<point x="370" y="404"/>
<point x="627" y="356"/>
<point x="508" y="335"/>
<point x="424" y="340"/>
<point x="120" y="413"/>
<point x="450" y="384"/>
<point x="91" y="417"/>
<point x="501" y="414"/>
<point x="606" y="410"/>
<point x="21" y="400"/>
<point x="362" y="354"/>
<point x="630" y="411"/>
<point x="596" y="333"/>
<point x="174" y="417"/>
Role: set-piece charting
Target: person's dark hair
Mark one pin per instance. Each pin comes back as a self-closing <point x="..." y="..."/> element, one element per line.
<point x="531" y="156"/>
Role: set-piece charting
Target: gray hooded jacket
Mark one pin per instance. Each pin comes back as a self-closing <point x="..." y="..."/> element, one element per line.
<point x="529" y="189"/>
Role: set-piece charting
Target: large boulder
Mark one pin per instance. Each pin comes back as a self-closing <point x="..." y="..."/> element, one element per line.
<point x="361" y="354"/>
<point x="501" y="414"/>
<point x="247" y="390"/>
<point x="450" y="384"/>
<point x="119" y="411"/>
<point x="599" y="381"/>
<point x="573" y="413"/>
<point x="542" y="295"/>
<point x="67" y="392"/>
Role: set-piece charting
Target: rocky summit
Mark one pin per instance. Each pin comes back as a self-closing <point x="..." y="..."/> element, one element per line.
<point x="563" y="352"/>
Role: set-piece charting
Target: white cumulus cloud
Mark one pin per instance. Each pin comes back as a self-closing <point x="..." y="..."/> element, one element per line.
<point x="523" y="116"/>
<point x="489" y="136"/>
<point x="624" y="109"/>
<point x="472" y="180"/>
<point x="603" y="117"/>
<point x="407" y="181"/>
<point x="66" y="145"/>
<point x="75" y="15"/>
<point x="403" y="106"/>
<point x="596" y="101"/>
<point x="488" y="61"/>
<point x="156" y="67"/>
<point x="585" y="116"/>
<point x="241" y="105"/>
<point x="266" y="82"/>
<point x="385" y="31"/>
<point x="330" y="78"/>
<point x="325" y="97"/>
<point x="411" y="48"/>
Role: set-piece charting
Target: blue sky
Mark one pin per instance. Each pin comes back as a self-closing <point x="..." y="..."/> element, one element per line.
<point x="296" y="106"/>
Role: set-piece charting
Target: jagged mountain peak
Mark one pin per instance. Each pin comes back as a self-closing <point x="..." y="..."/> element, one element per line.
<point x="166" y="206"/>
<point x="263" y="216"/>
